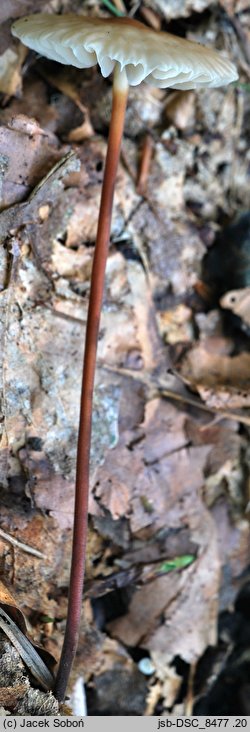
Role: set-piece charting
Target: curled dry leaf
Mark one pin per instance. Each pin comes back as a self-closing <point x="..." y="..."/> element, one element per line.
<point x="8" y="602"/>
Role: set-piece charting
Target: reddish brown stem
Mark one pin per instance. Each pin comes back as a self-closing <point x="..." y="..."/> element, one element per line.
<point x="91" y="340"/>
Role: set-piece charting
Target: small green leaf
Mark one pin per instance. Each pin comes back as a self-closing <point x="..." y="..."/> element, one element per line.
<point x="112" y="8"/>
<point x="176" y="563"/>
<point x="46" y="619"/>
<point x="242" y="85"/>
<point x="147" y="504"/>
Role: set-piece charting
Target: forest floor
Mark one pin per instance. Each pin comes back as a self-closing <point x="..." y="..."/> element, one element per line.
<point x="166" y="602"/>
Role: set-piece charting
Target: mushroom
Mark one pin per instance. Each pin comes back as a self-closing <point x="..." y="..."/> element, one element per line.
<point x="134" y="53"/>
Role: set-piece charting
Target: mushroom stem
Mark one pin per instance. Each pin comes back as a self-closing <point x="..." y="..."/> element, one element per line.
<point x="120" y="94"/>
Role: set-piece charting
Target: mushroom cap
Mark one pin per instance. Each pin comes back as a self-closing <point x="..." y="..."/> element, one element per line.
<point x="161" y="59"/>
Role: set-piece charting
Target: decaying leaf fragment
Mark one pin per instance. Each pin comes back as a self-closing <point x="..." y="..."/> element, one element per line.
<point x="19" y="214"/>
<point x="222" y="381"/>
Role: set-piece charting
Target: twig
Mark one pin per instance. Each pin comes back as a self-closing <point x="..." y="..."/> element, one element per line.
<point x="159" y="386"/>
<point x="19" y="544"/>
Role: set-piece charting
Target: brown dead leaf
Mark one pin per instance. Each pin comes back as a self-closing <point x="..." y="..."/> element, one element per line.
<point x="9" y="603"/>
<point x="128" y="477"/>
<point x="19" y="215"/>
<point x="11" y="694"/>
<point x="34" y="99"/>
<point x="114" y="492"/>
<point x="59" y="501"/>
<point x="189" y="603"/>
<point x="174" y="250"/>
<point x="164" y="428"/>
<point x="146" y="607"/>
<point x="35" y="577"/>
<point x="64" y="82"/>
<point x="29" y="155"/>
<point x="191" y="619"/>
<point x="134" y="469"/>
<point x="176" y="498"/>
<point x="204" y="368"/>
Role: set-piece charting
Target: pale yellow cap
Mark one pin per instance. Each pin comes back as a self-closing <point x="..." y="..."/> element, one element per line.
<point x="160" y="59"/>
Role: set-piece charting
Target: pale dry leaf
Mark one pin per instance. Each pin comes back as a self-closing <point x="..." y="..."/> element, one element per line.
<point x="202" y="367"/>
<point x="175" y="325"/>
<point x="164" y="428"/>
<point x="10" y="70"/>
<point x="224" y="398"/>
<point x="178" y="8"/>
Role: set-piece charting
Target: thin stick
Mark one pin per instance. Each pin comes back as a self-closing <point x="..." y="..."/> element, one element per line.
<point x="120" y="92"/>
<point x="160" y="386"/>
<point x="19" y="544"/>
